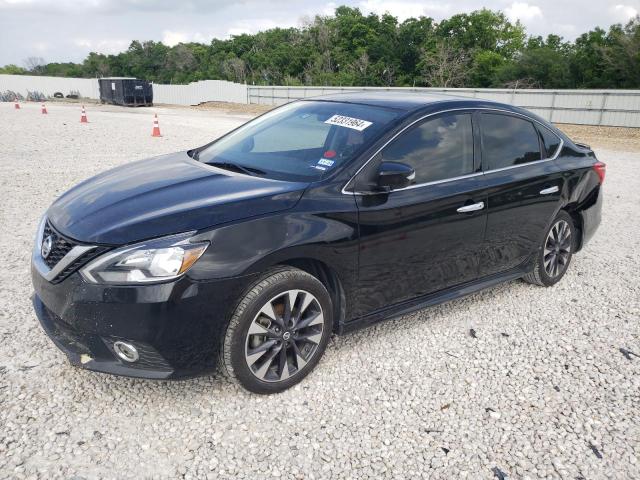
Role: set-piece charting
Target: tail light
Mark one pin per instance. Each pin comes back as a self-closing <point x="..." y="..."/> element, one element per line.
<point x="601" y="169"/>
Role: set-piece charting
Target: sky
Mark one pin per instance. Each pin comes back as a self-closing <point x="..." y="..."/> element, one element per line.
<point x="67" y="30"/>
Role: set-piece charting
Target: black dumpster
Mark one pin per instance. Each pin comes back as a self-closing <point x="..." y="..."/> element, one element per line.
<point x="127" y="91"/>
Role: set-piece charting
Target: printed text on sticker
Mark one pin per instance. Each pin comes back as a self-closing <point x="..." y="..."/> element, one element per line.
<point x="348" y="122"/>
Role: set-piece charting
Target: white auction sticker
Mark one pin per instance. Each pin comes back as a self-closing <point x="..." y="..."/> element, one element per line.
<point x="348" y="122"/>
<point x="326" y="162"/>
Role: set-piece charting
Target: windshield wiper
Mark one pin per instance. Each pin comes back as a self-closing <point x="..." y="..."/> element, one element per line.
<point x="237" y="168"/>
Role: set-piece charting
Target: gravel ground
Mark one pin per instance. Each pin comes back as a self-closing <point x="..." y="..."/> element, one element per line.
<point x="547" y="387"/>
<point x="623" y="139"/>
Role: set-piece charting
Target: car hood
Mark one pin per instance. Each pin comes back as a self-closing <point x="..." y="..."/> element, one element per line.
<point x="164" y="195"/>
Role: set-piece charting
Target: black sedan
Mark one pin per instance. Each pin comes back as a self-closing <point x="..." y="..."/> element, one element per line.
<point x="320" y="216"/>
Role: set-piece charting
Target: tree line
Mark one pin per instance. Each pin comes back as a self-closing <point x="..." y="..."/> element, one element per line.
<point x="478" y="49"/>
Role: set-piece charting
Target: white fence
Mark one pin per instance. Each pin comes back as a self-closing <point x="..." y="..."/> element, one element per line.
<point x="86" y="87"/>
<point x="191" y="94"/>
<point x="586" y="107"/>
<point x="199" y="92"/>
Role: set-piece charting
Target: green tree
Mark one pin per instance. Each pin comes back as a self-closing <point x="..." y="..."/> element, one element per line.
<point x="12" y="69"/>
<point x="483" y="30"/>
<point x="486" y="65"/>
<point x="541" y="63"/>
<point x="414" y="34"/>
<point x="96" y="65"/>
<point x="587" y="63"/>
<point x="478" y="49"/>
<point x="622" y="56"/>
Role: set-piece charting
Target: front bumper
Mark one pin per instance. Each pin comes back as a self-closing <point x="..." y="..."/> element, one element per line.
<point x="175" y="326"/>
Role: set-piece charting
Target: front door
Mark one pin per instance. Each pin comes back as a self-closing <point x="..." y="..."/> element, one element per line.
<point x="427" y="236"/>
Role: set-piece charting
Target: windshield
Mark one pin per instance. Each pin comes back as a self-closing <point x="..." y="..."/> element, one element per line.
<point x="301" y="141"/>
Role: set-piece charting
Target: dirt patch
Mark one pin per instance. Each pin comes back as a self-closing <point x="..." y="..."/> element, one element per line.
<point x="234" y="107"/>
<point x="614" y="138"/>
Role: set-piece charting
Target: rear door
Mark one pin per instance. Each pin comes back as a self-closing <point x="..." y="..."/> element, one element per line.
<point x="524" y="185"/>
<point x="425" y="237"/>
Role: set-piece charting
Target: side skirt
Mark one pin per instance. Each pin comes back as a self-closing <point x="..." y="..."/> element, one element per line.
<point x="431" y="299"/>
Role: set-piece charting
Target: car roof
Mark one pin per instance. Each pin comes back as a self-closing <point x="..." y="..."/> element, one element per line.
<point x="428" y="102"/>
<point x="423" y="102"/>
<point x="407" y="101"/>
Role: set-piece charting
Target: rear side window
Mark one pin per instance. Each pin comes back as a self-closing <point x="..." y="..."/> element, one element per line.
<point x="550" y="140"/>
<point x="508" y="141"/>
<point x="437" y="149"/>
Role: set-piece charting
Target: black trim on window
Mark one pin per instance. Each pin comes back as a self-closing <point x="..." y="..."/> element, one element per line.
<point x="548" y="154"/>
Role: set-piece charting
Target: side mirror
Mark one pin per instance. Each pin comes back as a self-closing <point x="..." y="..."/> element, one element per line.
<point x="394" y="175"/>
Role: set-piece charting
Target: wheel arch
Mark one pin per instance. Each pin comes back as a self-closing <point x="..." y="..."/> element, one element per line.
<point x="338" y="282"/>
<point x="572" y="209"/>
<point x="328" y="277"/>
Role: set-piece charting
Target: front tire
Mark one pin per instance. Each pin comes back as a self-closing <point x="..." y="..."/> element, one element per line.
<point x="555" y="253"/>
<point x="278" y="332"/>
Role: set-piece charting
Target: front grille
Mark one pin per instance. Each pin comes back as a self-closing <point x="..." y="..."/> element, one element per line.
<point x="61" y="246"/>
<point x="79" y="262"/>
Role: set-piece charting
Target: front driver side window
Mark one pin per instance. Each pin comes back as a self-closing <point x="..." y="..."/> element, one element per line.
<point x="437" y="149"/>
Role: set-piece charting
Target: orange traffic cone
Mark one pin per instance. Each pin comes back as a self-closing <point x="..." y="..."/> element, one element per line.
<point x="83" y="117"/>
<point x="44" y="109"/>
<point x="16" y="104"/>
<point x="156" y="127"/>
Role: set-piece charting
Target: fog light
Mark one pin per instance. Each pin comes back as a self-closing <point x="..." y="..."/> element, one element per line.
<point x="126" y="351"/>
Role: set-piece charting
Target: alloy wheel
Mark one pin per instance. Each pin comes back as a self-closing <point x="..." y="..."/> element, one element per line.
<point x="284" y="335"/>
<point x="557" y="248"/>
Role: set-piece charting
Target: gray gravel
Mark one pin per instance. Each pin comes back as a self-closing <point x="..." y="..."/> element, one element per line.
<point x="543" y="391"/>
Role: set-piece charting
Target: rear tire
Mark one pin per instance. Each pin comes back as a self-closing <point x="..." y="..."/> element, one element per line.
<point x="278" y="332"/>
<point x="555" y="253"/>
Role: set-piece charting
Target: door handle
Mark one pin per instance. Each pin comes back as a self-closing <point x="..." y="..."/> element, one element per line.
<point x="547" y="191"/>
<point x="471" y="208"/>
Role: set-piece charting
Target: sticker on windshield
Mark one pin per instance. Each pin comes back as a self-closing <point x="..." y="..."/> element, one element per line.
<point x="326" y="162"/>
<point x="323" y="164"/>
<point x="348" y="122"/>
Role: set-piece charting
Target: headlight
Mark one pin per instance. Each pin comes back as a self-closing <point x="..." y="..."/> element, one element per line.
<point x="152" y="261"/>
